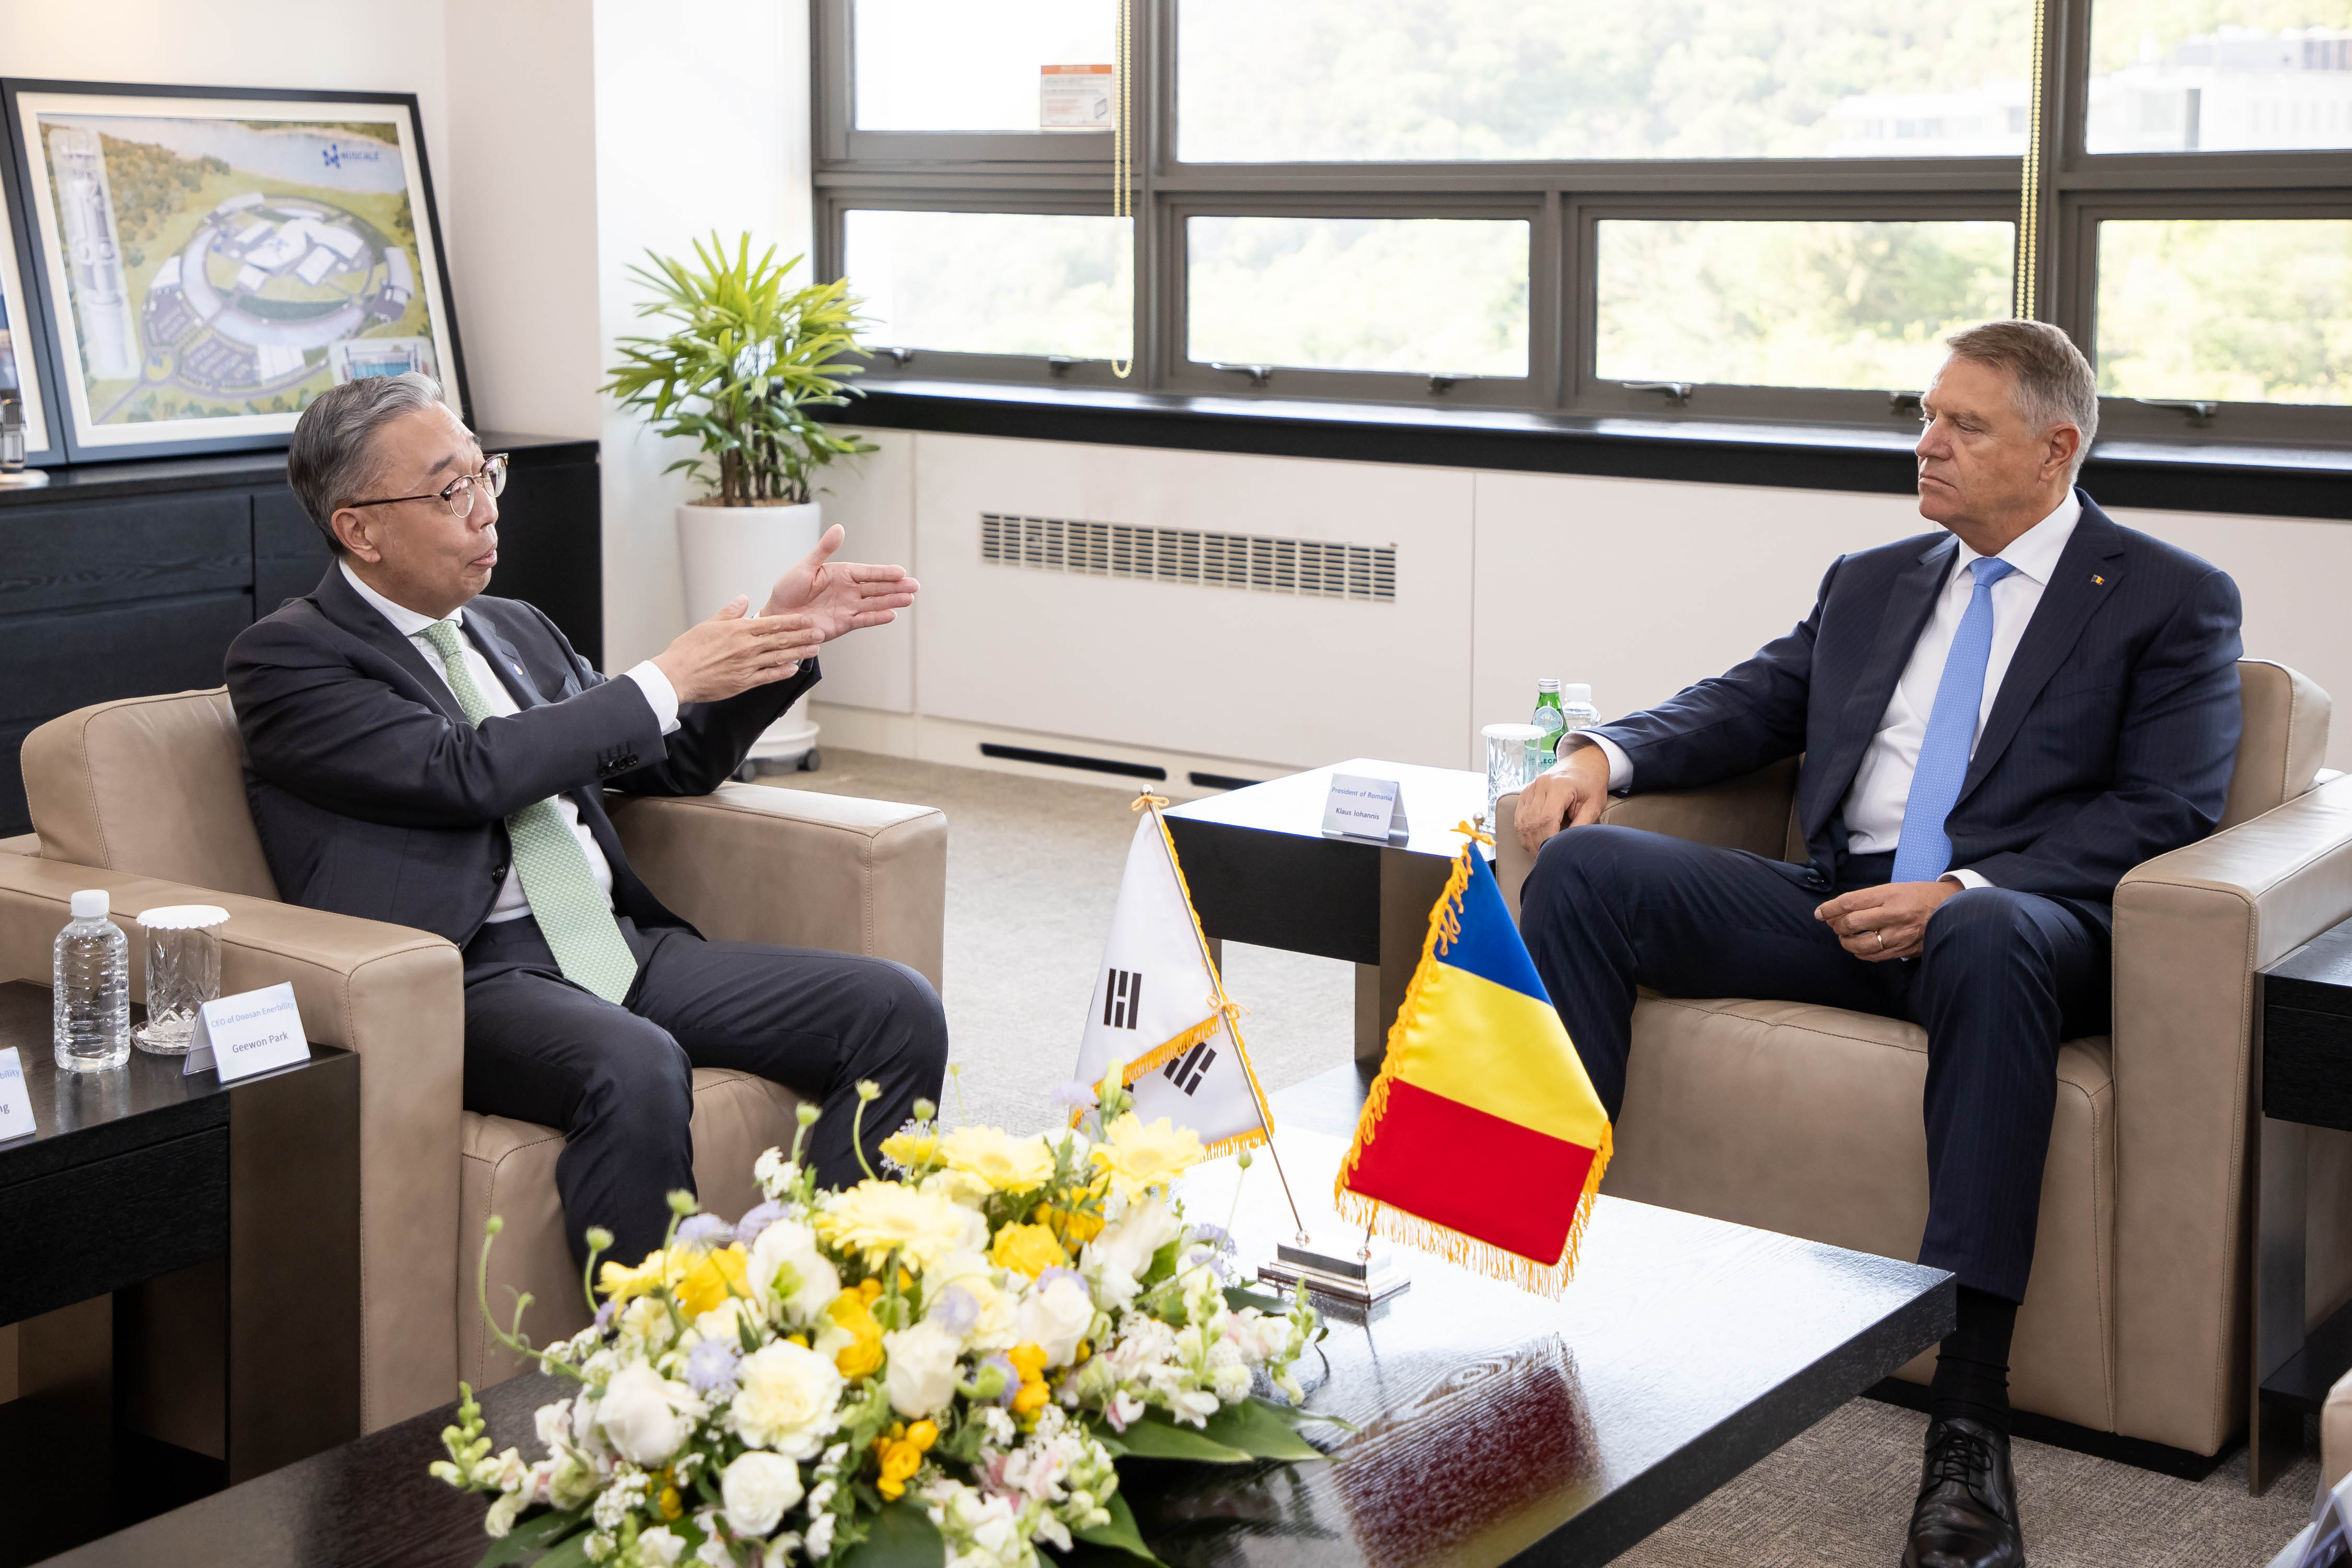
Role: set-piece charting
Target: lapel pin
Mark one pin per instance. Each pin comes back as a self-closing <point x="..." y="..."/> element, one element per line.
<point x="2098" y="580"/>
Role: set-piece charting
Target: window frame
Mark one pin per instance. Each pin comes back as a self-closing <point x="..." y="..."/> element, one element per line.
<point x="1017" y="172"/>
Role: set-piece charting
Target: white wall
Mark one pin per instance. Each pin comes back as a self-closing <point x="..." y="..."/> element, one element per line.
<point x="1636" y="586"/>
<point x="701" y="124"/>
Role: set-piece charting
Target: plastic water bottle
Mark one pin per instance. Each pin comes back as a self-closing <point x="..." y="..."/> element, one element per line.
<point x="1576" y="707"/>
<point x="91" y="993"/>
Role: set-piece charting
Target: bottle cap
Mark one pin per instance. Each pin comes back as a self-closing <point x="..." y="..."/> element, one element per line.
<point x="1547" y="684"/>
<point x="1580" y="692"/>
<point x="90" y="903"/>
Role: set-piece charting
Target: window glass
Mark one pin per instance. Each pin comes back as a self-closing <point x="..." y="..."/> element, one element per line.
<point x="957" y="65"/>
<point x="1313" y="80"/>
<point x="1438" y="296"/>
<point x="1007" y="283"/>
<point x="2213" y="75"/>
<point x="1818" y="304"/>
<point x="2240" y="310"/>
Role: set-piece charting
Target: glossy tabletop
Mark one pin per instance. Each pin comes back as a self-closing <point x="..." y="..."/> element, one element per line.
<point x="1435" y="799"/>
<point x="1492" y="1425"/>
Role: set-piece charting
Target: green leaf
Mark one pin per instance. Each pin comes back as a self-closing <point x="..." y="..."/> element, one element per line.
<point x="1120" y="1534"/>
<point x="1155" y="1438"/>
<point x="901" y="1536"/>
<point x="531" y="1535"/>
<point x="1259" y="1430"/>
<point x="1240" y="1296"/>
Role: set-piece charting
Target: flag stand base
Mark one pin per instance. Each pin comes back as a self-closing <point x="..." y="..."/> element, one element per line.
<point x="1364" y="1276"/>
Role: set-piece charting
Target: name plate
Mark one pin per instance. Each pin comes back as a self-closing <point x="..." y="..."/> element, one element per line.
<point x="16" y="1105"/>
<point x="251" y="1032"/>
<point x="1364" y="809"/>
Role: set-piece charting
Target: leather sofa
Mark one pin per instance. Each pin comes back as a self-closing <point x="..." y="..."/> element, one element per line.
<point x="146" y="799"/>
<point x="1806" y="1119"/>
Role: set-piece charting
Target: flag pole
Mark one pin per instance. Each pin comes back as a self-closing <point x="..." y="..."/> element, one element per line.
<point x="1225" y="1008"/>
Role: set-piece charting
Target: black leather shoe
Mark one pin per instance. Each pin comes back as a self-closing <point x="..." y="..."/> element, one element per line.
<point x="1967" y="1513"/>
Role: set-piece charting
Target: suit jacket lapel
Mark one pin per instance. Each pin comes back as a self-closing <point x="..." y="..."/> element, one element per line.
<point x="504" y="660"/>
<point x="1908" y="603"/>
<point x="354" y="614"/>
<point x="2071" y="597"/>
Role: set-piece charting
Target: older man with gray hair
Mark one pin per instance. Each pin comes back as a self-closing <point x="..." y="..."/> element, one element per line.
<point x="421" y="752"/>
<point x="1998" y="721"/>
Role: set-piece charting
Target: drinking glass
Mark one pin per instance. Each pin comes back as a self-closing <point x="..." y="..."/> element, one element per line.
<point x="182" y="972"/>
<point x="1511" y="754"/>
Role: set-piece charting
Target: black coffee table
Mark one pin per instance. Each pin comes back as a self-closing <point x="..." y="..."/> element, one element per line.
<point x="198" y="1247"/>
<point x="1495" y="1427"/>
<point x="1262" y="871"/>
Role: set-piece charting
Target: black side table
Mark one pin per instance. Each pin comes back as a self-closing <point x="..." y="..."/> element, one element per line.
<point x="2304" y="1068"/>
<point x="140" y="1175"/>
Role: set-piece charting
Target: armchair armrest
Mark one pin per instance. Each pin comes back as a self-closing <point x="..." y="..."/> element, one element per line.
<point x="751" y="863"/>
<point x="391" y="993"/>
<point x="2192" y="928"/>
<point x="1747" y="813"/>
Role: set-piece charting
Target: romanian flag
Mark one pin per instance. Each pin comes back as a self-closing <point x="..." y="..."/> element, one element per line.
<point x="1482" y="1139"/>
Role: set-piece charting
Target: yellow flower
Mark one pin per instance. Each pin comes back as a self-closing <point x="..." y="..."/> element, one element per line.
<point x="1008" y="1165"/>
<point x="670" y="1503"/>
<point x="912" y="1150"/>
<point x="877" y="1218"/>
<point x="851" y="1312"/>
<point x="1028" y="1249"/>
<point x="700" y="1279"/>
<point x="900" y="1450"/>
<point x="1074" y="1226"/>
<point x="1138" y="1156"/>
<point x="1029" y="1361"/>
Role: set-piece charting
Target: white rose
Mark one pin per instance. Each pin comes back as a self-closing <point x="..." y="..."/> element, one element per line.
<point x="787" y="1399"/>
<point x="644" y="1415"/>
<point x="659" y="1547"/>
<point x="757" y="1489"/>
<point x="790" y="1242"/>
<point x="1054" y="1317"/>
<point x="922" y="1374"/>
<point x="1146" y="1227"/>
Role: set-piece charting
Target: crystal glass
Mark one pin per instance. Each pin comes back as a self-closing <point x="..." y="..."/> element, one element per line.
<point x="182" y="972"/>
<point x="1511" y="756"/>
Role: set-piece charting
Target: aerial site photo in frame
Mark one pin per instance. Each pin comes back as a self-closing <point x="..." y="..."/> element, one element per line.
<point x="211" y="260"/>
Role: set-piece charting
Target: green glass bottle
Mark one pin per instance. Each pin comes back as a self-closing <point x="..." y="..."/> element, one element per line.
<point x="1548" y="718"/>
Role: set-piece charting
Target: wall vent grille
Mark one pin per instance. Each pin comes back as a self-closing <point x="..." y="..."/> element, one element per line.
<point x="1308" y="568"/>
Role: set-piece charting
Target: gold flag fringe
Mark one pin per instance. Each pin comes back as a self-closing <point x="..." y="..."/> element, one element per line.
<point x="1409" y="1229"/>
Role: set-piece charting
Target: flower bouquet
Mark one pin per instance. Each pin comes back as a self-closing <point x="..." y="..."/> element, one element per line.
<point x="946" y="1367"/>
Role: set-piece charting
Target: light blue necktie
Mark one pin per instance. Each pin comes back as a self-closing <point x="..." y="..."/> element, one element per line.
<point x="1924" y="852"/>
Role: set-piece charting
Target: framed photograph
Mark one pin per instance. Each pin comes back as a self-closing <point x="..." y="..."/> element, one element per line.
<point x="208" y="260"/>
<point x="25" y="364"/>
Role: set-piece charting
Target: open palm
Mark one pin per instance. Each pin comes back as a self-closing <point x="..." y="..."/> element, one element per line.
<point x="841" y="595"/>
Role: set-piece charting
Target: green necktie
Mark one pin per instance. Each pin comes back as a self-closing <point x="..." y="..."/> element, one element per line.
<point x="571" y="911"/>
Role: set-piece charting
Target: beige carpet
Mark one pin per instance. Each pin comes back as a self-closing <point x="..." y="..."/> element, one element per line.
<point x="1033" y="870"/>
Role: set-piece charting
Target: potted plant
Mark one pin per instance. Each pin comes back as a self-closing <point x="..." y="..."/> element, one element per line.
<point x="747" y="360"/>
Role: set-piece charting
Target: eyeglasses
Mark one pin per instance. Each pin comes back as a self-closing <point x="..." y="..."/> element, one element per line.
<point x="457" y="495"/>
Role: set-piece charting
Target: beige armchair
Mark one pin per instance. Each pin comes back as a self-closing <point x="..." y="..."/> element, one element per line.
<point x="146" y="798"/>
<point x="1806" y="1120"/>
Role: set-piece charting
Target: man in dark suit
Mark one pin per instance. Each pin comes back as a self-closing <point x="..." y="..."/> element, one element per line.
<point x="420" y="752"/>
<point x="1998" y="721"/>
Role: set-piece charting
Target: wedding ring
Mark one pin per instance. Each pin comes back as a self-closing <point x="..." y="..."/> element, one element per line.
<point x="1882" y="939"/>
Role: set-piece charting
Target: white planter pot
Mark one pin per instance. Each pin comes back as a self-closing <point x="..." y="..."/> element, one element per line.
<point x="724" y="550"/>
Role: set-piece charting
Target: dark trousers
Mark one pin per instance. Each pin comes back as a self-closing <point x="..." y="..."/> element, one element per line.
<point x="2003" y="977"/>
<point x="618" y="1080"/>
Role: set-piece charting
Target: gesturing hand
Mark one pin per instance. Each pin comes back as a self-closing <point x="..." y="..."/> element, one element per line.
<point x="1886" y="922"/>
<point x="840" y="597"/>
<point x="730" y="653"/>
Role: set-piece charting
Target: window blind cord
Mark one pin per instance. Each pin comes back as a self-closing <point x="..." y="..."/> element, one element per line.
<point x="1121" y="208"/>
<point x="2029" y="196"/>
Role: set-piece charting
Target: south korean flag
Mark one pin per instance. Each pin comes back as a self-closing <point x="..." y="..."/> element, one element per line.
<point x="1161" y="1008"/>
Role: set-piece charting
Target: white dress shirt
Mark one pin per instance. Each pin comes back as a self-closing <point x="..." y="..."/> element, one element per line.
<point x="512" y="904"/>
<point x="1882" y="785"/>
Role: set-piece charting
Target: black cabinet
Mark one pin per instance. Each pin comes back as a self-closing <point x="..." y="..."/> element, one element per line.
<point x="128" y="578"/>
